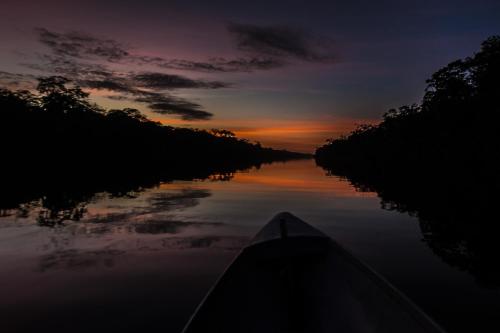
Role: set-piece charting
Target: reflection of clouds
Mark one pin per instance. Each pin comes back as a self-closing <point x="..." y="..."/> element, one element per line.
<point x="130" y="228"/>
<point x="155" y="203"/>
<point x="166" y="227"/>
<point x="152" y="218"/>
<point x="111" y="218"/>
<point x="127" y="223"/>
<point x="216" y="242"/>
<point x="132" y="222"/>
<point x="78" y="259"/>
<point x="187" y="197"/>
<point x="73" y="259"/>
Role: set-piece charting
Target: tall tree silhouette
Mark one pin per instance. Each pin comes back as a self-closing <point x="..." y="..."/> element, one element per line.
<point x="57" y="138"/>
<point x="438" y="160"/>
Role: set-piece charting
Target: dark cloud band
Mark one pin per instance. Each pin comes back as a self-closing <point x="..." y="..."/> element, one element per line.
<point x="281" y="42"/>
<point x="87" y="60"/>
<point x="169" y="81"/>
<point x="82" y="45"/>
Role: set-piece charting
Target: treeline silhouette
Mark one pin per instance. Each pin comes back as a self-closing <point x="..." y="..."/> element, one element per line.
<point x="439" y="160"/>
<point x="56" y="140"/>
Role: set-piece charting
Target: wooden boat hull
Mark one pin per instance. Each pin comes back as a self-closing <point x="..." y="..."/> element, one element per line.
<point x="293" y="278"/>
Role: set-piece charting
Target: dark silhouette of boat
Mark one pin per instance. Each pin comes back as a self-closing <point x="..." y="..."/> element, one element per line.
<point x="294" y="278"/>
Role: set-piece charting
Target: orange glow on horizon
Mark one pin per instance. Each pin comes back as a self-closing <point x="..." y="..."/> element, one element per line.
<point x="302" y="135"/>
<point x="297" y="135"/>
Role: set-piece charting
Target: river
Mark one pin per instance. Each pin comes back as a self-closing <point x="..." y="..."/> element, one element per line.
<point x="144" y="259"/>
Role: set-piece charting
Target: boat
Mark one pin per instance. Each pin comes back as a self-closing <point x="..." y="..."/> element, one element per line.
<point x="294" y="278"/>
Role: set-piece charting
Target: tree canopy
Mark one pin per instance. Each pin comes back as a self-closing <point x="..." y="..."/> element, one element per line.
<point x="438" y="160"/>
<point x="56" y="137"/>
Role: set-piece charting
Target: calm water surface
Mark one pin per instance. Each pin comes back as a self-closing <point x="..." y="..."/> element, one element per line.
<point x="145" y="260"/>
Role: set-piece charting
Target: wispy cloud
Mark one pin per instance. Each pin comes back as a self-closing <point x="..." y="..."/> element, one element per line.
<point x="169" y="81"/>
<point x="92" y="62"/>
<point x="16" y="80"/>
<point x="68" y="66"/>
<point x="281" y="42"/>
<point x="81" y="45"/>
<point x="223" y="65"/>
<point x="159" y="102"/>
<point x="265" y="48"/>
<point x="165" y="104"/>
<point x="88" y="60"/>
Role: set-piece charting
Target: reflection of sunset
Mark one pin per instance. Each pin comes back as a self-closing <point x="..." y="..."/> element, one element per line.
<point x="298" y="176"/>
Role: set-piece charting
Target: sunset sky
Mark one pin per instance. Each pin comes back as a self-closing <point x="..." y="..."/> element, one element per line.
<point x="289" y="74"/>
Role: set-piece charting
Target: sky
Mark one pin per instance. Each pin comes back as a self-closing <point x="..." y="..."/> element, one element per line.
<point x="289" y="74"/>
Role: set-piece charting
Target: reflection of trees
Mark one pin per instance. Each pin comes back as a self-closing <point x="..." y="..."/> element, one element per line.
<point x="457" y="219"/>
<point x="218" y="177"/>
<point x="439" y="161"/>
<point x="55" y="208"/>
<point x="60" y="207"/>
<point x="61" y="149"/>
<point x="467" y="238"/>
<point x="57" y="202"/>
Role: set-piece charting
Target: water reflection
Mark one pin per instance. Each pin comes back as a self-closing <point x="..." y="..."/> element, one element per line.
<point x="145" y="255"/>
<point x="53" y="210"/>
<point x="74" y="259"/>
<point x="60" y="200"/>
<point x="455" y="219"/>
